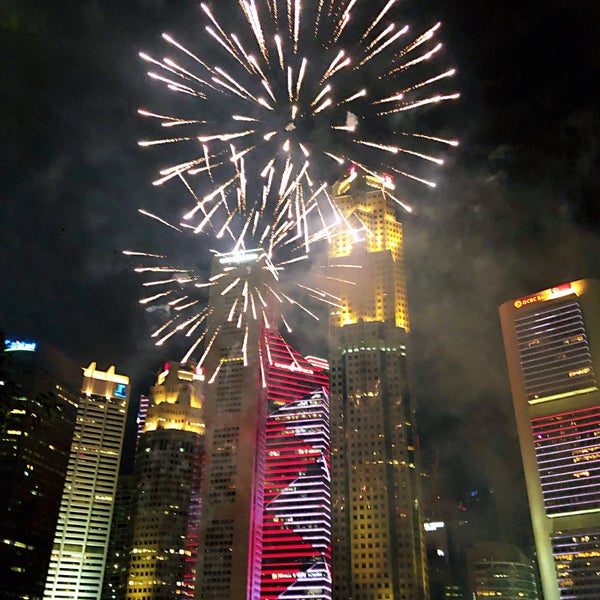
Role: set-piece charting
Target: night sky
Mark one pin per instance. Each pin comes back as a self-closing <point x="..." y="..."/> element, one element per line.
<point x="516" y="210"/>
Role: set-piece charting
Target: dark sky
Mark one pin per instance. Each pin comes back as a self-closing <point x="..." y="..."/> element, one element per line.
<point x="516" y="211"/>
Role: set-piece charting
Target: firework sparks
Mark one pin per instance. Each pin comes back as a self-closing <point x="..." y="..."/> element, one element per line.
<point x="316" y="115"/>
<point x="297" y="94"/>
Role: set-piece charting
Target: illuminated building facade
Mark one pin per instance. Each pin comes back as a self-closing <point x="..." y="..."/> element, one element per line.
<point x="167" y="474"/>
<point x="378" y="541"/>
<point x="500" y="571"/>
<point x="81" y="538"/>
<point x="296" y="529"/>
<point x="235" y="410"/>
<point x="552" y="344"/>
<point x="265" y="498"/>
<point x="141" y="415"/>
<point x="38" y="398"/>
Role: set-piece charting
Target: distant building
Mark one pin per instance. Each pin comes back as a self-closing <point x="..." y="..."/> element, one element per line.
<point x="166" y="501"/>
<point x="378" y="541"/>
<point x="500" y="571"/>
<point x="552" y="343"/>
<point x="80" y="542"/>
<point x="114" y="586"/>
<point x="38" y="398"/>
<point x="141" y="415"/>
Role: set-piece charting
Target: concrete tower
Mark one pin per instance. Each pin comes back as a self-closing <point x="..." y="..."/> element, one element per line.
<point x="167" y="472"/>
<point x="230" y="533"/>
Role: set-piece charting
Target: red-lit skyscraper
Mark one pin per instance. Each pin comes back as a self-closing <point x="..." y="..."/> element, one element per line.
<point x="264" y="528"/>
<point x="296" y="531"/>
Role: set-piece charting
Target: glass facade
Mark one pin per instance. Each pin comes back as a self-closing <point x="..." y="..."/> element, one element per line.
<point x="296" y="531"/>
<point x="567" y="448"/>
<point x="554" y="350"/>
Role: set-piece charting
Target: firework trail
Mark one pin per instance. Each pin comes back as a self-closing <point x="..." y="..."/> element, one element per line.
<point x="294" y="93"/>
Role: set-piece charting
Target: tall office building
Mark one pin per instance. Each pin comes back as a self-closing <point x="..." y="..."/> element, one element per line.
<point x="38" y="400"/>
<point x="552" y="344"/>
<point x="81" y="537"/>
<point x="235" y="410"/>
<point x="167" y="471"/>
<point x="378" y="541"/>
<point x="265" y="501"/>
<point x="296" y="530"/>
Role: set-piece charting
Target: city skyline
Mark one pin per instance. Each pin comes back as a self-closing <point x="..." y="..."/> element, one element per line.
<point x="514" y="212"/>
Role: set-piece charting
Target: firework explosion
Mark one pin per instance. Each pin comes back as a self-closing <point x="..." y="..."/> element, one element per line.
<point x="297" y="92"/>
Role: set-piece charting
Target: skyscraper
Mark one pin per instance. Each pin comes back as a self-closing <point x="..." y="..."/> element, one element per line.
<point x="552" y="344"/>
<point x="265" y="504"/>
<point x="38" y="399"/>
<point x="378" y="542"/>
<point x="296" y="530"/>
<point x="81" y="537"/>
<point x="235" y="411"/>
<point x="166" y="497"/>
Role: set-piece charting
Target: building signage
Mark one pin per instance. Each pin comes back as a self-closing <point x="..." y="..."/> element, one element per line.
<point x="295" y="368"/>
<point x="19" y="346"/>
<point x="549" y="294"/>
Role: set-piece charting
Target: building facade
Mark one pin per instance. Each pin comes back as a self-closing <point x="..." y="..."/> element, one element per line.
<point x="78" y="556"/>
<point x="296" y="520"/>
<point x="235" y="410"/>
<point x="378" y="541"/>
<point x="166" y="503"/>
<point x="265" y="519"/>
<point x="500" y="571"/>
<point x="114" y="586"/>
<point x="552" y="344"/>
<point x="38" y="399"/>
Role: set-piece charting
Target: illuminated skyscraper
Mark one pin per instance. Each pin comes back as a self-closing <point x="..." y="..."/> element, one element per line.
<point x="233" y="477"/>
<point x="38" y="399"/>
<point x="552" y="344"/>
<point x="296" y="530"/>
<point x="167" y="493"/>
<point x="81" y="538"/>
<point x="265" y="504"/>
<point x="378" y="542"/>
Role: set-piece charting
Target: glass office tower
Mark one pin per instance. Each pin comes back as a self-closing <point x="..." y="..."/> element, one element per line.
<point x="81" y="538"/>
<point x="552" y="344"/>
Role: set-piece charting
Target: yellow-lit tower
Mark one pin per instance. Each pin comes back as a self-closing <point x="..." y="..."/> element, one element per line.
<point x="167" y="496"/>
<point x="378" y="546"/>
<point x="81" y="537"/>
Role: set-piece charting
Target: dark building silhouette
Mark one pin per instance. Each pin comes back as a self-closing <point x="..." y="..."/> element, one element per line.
<point x="114" y="586"/>
<point x="38" y="395"/>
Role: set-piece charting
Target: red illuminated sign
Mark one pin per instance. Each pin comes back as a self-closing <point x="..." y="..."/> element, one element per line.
<point x="549" y="294"/>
